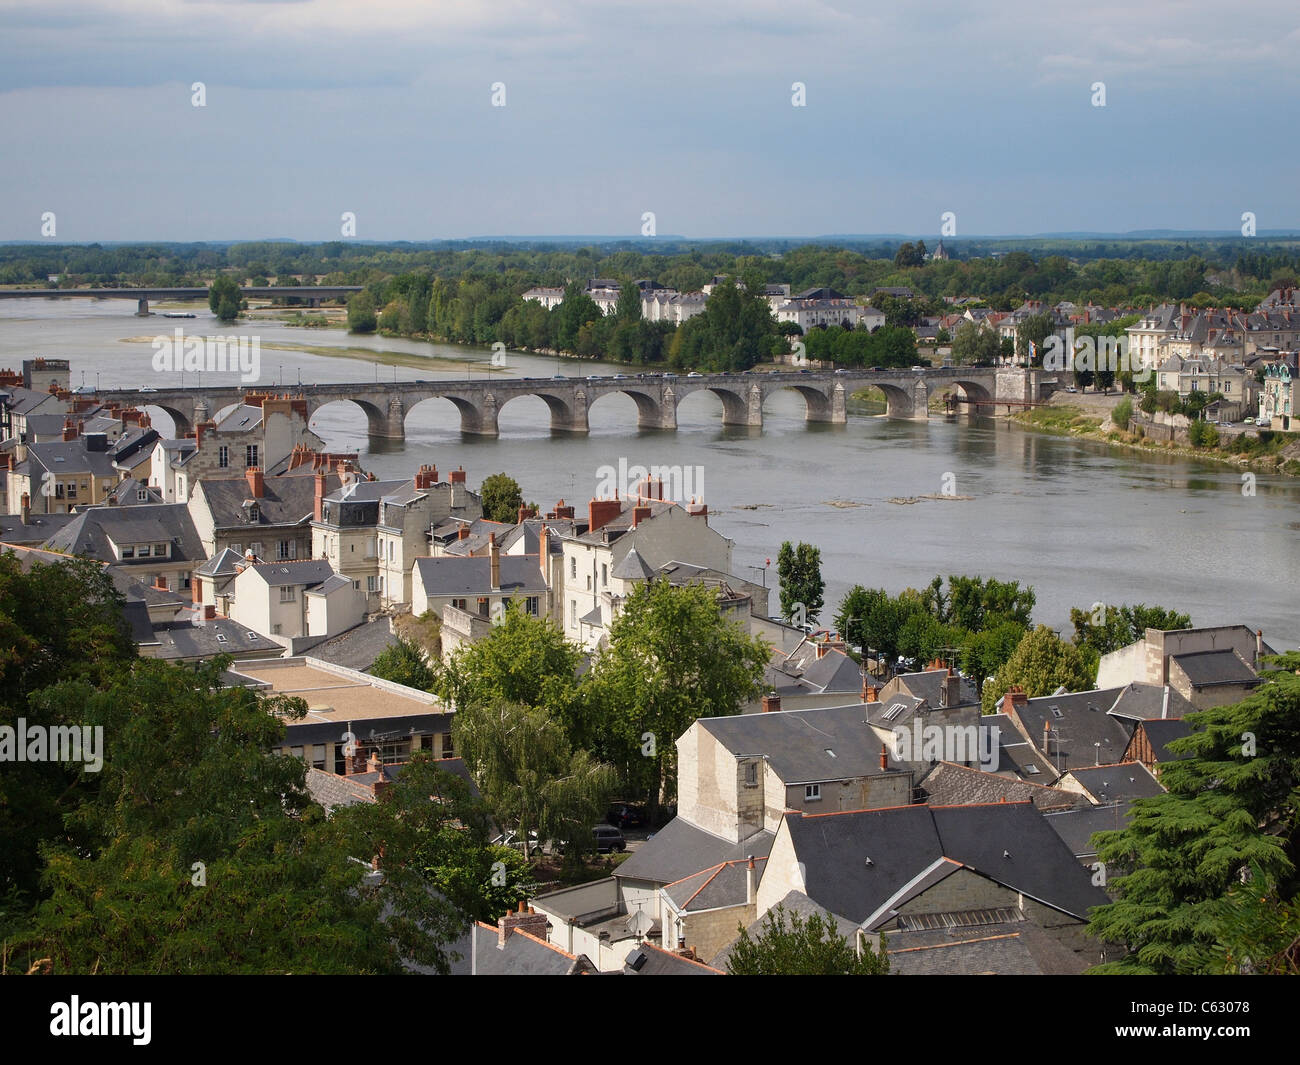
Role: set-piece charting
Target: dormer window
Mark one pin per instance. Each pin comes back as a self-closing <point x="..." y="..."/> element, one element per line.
<point x="252" y="510"/>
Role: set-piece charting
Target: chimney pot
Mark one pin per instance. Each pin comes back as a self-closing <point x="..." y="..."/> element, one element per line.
<point x="884" y="757"/>
<point x="771" y="703"/>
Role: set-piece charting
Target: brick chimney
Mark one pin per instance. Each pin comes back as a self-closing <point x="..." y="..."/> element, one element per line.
<point x="160" y="582"/>
<point x="494" y="561"/>
<point x="209" y="612"/>
<point x="320" y="495"/>
<point x="869" y="693"/>
<point x="1015" y="699"/>
<point x="601" y="512"/>
<point x="561" y="511"/>
<point x="256" y="481"/>
<point x="525" y="920"/>
<point x="26" y="505"/>
<point x="651" y="488"/>
<point x="952" y="688"/>
<point x="751" y="879"/>
<point x="69" y="429"/>
<point x="1259" y="636"/>
<point x="426" y="477"/>
<point x="458" y="475"/>
<point x="463" y="532"/>
<point x="354" y="763"/>
<point x="884" y="756"/>
<point x="771" y="703"/>
<point x="639" y="514"/>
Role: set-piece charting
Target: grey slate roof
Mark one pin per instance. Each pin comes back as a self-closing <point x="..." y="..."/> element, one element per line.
<point x="88" y="532"/>
<point x="633" y="568"/>
<point x="1111" y="783"/>
<point x="225" y="563"/>
<point x="1141" y="702"/>
<point x="1079" y="722"/>
<point x="680" y="848"/>
<point x="463" y="576"/>
<point x="951" y="784"/>
<point x="359" y="646"/>
<point x="726" y="884"/>
<point x="215" y="636"/>
<point x="522" y="955"/>
<point x="1009" y="843"/>
<point x="1076" y="826"/>
<point x="1012" y="948"/>
<point x="39" y="529"/>
<point x="301" y="733"/>
<point x="65" y="457"/>
<point x="798" y="743"/>
<point x="285" y="500"/>
<point x="649" y="960"/>
<point x="1206" y="669"/>
<point x="1161" y="733"/>
<point x="308" y="571"/>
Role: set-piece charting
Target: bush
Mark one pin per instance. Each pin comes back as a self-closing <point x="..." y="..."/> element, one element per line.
<point x="1123" y="413"/>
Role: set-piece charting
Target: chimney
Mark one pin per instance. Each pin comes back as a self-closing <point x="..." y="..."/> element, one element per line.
<point x="373" y="764"/>
<point x="869" y="694"/>
<point x="494" y="561"/>
<point x="1259" y="640"/>
<point x="426" y="477"/>
<point x="1015" y="699"/>
<point x="463" y="532"/>
<point x="952" y="688"/>
<point x="884" y="757"/>
<point x="771" y="703"/>
<point x="256" y="481"/>
<point x="354" y="763"/>
<point x="27" y="507"/>
<point x="602" y="512"/>
<point x="209" y="612"/>
<point x="69" y="429"/>
<point x="751" y="880"/>
<point x="525" y="920"/>
<point x="1047" y="737"/>
<point x="160" y="582"/>
<point x="320" y="494"/>
<point x="639" y="514"/>
<point x="458" y="475"/>
<point x="544" y="552"/>
<point x="561" y="511"/>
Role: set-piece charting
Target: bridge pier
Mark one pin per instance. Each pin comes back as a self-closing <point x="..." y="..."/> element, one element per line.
<point x="832" y="412"/>
<point x="480" y="421"/>
<point x="575" y="420"/>
<point x="390" y="425"/>
<point x="142" y="308"/>
<point x="662" y="415"/>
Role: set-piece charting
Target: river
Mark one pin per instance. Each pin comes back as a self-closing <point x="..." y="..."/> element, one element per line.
<point x="1080" y="521"/>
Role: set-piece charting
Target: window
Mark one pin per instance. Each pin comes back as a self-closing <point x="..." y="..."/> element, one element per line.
<point x="458" y="604"/>
<point x="128" y="551"/>
<point x="573" y="568"/>
<point x="812" y="792"/>
<point x="250" y="455"/>
<point x="72" y="489"/>
<point x="142" y="495"/>
<point x="284" y="549"/>
<point x="160" y="550"/>
<point x="530" y="606"/>
<point x="370" y="584"/>
<point x="288" y="593"/>
<point x="573" y="612"/>
<point x="256" y="548"/>
<point x="144" y="551"/>
<point x="604" y="574"/>
<point x="275" y="631"/>
<point x="448" y="747"/>
<point x="223" y="457"/>
<point x="751" y="775"/>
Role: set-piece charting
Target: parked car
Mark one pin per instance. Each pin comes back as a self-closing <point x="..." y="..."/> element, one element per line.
<point x="594" y="377"/>
<point x="626" y="815"/>
<point x="694" y="374"/>
<point x="608" y="838"/>
<point x="559" y="377"/>
<point x="670" y="375"/>
<point x="620" y="377"/>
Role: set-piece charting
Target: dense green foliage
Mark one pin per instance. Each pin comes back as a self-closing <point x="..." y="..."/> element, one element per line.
<point x="224" y="298"/>
<point x="502" y="498"/>
<point x="404" y="663"/>
<point x="809" y="946"/>
<point x="1210" y="867"/>
<point x="800" y="571"/>
<point x="1041" y="663"/>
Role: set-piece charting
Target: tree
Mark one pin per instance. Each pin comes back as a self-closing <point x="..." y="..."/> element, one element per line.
<point x="224" y="298"/>
<point x="811" y="946"/>
<point x="1034" y="330"/>
<point x="361" y="313"/>
<point x="1041" y="663"/>
<point x="533" y="781"/>
<point x="404" y="663"/>
<point x="1113" y="627"/>
<point x="628" y="308"/>
<point x="975" y="344"/>
<point x="1228" y="818"/>
<point x="672" y="658"/>
<point x="800" y="572"/>
<point x="502" y="498"/>
<point x="1123" y="413"/>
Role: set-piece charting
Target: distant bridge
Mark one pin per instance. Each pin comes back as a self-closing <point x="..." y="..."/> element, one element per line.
<point x="313" y="294"/>
<point x="657" y="396"/>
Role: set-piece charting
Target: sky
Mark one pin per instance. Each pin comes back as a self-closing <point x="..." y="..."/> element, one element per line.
<point x="384" y="109"/>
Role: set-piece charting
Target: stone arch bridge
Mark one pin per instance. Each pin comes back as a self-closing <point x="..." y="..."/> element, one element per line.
<point x="386" y="404"/>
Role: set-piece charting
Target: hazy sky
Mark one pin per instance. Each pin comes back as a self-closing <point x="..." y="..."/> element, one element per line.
<point x="384" y="108"/>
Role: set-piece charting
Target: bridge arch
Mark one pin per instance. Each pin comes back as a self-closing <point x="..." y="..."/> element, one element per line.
<point x="182" y="421"/>
<point x="475" y="420"/>
<point x="377" y="423"/>
<point x="568" y="410"/>
<point x="650" y="412"/>
<point x="820" y="404"/>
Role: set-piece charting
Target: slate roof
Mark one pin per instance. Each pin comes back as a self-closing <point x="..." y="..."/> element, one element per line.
<point x="88" y="532"/>
<point x="1207" y="669"/>
<point x="1163" y="732"/>
<point x="1079" y="722"/>
<point x="1111" y="783"/>
<point x="649" y="960"/>
<point x="952" y="784"/>
<point x="1141" y="702"/>
<point x="928" y="684"/>
<point x="1076" y="826"/>
<point x="523" y="955"/>
<point x="39" y="529"/>
<point x="285" y="500"/>
<point x="301" y="733"/>
<point x="66" y="457"/>
<point x="464" y="576"/>
<point x="1009" y="843"/>
<point x="726" y="884"/>
<point x="798" y="744"/>
<point x="359" y="646"/>
<point x="215" y="636"/>
<point x="633" y="568"/>
<point x="680" y="848"/>
<point x="331" y="790"/>
<point x="308" y="571"/>
<point x="226" y="563"/>
<point x="1011" y="948"/>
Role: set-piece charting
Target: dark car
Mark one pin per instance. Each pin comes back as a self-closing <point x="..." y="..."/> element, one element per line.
<point x="625" y="815"/>
<point x="608" y="838"/>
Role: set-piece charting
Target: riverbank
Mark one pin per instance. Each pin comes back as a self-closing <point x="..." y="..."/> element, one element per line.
<point x="1077" y="421"/>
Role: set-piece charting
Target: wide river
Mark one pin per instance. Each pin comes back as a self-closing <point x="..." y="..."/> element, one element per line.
<point x="1082" y="522"/>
